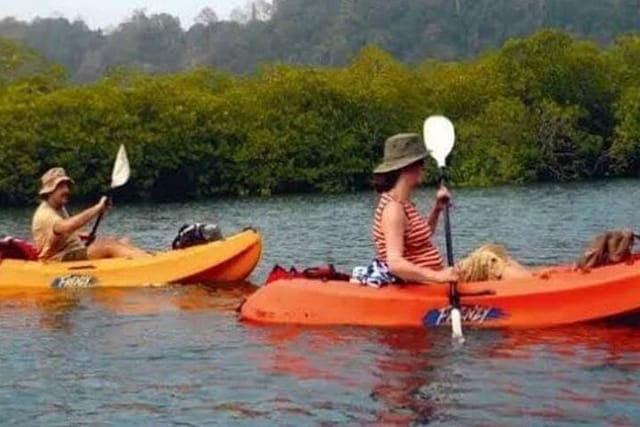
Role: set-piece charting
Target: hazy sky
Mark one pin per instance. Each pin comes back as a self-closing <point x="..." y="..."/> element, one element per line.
<point x="104" y="13"/>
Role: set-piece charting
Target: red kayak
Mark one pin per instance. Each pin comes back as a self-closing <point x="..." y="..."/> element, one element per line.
<point x="557" y="297"/>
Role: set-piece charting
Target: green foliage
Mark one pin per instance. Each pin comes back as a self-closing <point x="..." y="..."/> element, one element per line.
<point x="625" y="150"/>
<point x="566" y="151"/>
<point x="499" y="145"/>
<point x="313" y="32"/>
<point x="547" y="107"/>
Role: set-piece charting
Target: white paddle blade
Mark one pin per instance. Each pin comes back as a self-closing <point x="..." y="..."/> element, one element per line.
<point x="456" y="323"/>
<point x="439" y="137"/>
<point x="121" y="171"/>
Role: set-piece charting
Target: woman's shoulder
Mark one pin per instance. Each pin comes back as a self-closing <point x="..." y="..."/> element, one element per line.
<point x="386" y="199"/>
<point x="392" y="210"/>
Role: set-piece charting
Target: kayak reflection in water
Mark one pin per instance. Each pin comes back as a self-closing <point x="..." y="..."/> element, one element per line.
<point x="403" y="237"/>
<point x="57" y="235"/>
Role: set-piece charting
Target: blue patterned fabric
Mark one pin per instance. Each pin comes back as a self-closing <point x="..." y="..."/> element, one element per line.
<point x="376" y="274"/>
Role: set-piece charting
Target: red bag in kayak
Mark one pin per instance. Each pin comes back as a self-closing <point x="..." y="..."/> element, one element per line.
<point x="13" y="248"/>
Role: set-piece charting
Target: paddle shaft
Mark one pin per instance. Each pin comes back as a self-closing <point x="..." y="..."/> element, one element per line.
<point x="92" y="236"/>
<point x="454" y="296"/>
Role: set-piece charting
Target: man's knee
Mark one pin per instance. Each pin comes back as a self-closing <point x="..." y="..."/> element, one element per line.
<point x="109" y="241"/>
<point x="124" y="241"/>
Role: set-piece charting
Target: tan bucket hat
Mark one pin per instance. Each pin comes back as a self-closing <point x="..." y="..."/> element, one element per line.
<point x="401" y="150"/>
<point x="51" y="179"/>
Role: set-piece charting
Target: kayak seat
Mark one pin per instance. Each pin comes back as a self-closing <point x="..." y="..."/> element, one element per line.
<point x="14" y="248"/>
<point x="323" y="273"/>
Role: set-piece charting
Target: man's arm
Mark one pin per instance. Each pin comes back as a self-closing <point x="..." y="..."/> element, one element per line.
<point x="76" y="222"/>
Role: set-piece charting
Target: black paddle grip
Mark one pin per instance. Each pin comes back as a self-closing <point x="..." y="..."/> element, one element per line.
<point x="92" y="236"/>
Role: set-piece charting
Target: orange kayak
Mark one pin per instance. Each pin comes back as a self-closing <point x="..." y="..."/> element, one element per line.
<point x="557" y="297"/>
<point x="231" y="259"/>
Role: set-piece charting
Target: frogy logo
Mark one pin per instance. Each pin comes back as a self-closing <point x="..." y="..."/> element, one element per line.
<point x="470" y="314"/>
<point x="73" y="281"/>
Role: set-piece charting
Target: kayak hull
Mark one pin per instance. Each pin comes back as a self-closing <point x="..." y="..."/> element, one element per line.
<point x="231" y="259"/>
<point x="558" y="297"/>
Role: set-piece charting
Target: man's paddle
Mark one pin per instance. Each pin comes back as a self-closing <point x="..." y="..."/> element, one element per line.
<point x="439" y="137"/>
<point x="119" y="177"/>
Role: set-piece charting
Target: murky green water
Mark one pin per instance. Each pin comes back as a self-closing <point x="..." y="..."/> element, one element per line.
<point x="178" y="356"/>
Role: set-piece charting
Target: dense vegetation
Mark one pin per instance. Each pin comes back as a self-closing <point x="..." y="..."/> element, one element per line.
<point x="548" y="107"/>
<point x="313" y="32"/>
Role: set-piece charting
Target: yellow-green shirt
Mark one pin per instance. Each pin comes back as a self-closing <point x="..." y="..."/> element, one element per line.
<point x="52" y="246"/>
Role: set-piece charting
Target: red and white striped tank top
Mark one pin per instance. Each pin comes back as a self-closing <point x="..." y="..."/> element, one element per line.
<point x="418" y="247"/>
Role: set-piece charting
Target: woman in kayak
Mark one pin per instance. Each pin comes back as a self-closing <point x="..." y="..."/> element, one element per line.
<point x="403" y="237"/>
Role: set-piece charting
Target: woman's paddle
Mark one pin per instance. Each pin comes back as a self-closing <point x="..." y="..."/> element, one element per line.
<point x="119" y="177"/>
<point x="439" y="137"/>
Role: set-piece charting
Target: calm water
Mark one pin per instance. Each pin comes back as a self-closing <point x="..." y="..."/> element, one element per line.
<point x="178" y="356"/>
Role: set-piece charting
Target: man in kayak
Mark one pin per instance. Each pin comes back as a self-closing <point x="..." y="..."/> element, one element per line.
<point x="403" y="237"/>
<point x="58" y="235"/>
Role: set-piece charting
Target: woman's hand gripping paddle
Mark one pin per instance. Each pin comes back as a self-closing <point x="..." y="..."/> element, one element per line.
<point x="439" y="137"/>
<point x="119" y="177"/>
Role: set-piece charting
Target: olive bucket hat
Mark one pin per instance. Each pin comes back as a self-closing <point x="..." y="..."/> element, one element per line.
<point x="400" y="151"/>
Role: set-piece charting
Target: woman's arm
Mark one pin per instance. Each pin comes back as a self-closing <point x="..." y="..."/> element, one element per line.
<point x="393" y="227"/>
<point x="442" y="198"/>
<point x="434" y="216"/>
